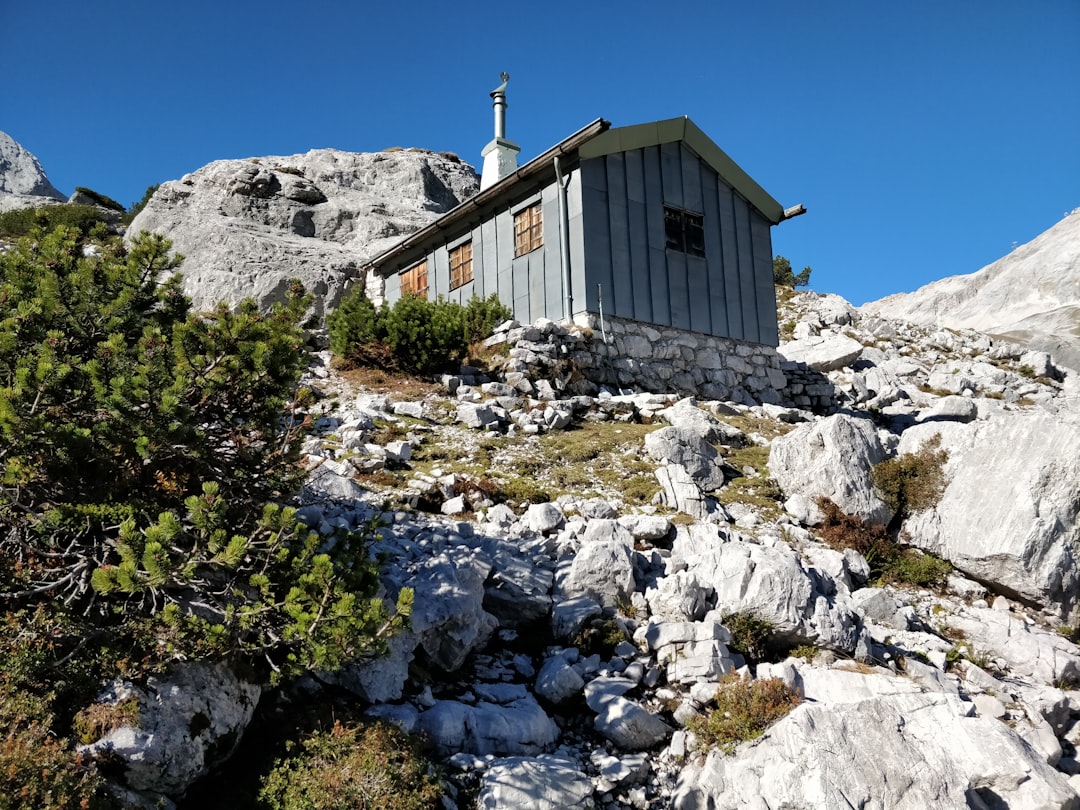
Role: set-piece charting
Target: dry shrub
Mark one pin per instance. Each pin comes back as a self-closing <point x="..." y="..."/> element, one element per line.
<point x="371" y="766"/>
<point x="889" y="562"/>
<point x="841" y="530"/>
<point x="912" y="482"/>
<point x="37" y="768"/>
<point x="742" y="710"/>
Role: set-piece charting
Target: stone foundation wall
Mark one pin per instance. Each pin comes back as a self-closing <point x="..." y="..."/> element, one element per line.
<point x="661" y="359"/>
<point x="669" y="360"/>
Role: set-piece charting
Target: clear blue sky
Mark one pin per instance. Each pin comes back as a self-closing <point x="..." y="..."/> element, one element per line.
<point x="926" y="138"/>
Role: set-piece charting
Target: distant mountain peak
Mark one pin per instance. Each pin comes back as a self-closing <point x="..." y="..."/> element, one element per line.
<point x="21" y="177"/>
<point x="1030" y="296"/>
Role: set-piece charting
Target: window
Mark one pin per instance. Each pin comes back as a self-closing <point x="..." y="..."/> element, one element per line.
<point x="684" y="231"/>
<point x="461" y="271"/>
<point x="528" y="230"/>
<point x="414" y="280"/>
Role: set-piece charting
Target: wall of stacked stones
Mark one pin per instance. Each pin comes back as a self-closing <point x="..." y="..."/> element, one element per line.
<point x="626" y="354"/>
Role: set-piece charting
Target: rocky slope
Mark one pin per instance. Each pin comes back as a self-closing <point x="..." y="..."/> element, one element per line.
<point x="581" y="560"/>
<point x="246" y="227"/>
<point x="22" y="180"/>
<point x="1031" y="296"/>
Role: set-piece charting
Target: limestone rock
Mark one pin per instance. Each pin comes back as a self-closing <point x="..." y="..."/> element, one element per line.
<point x="772" y="584"/>
<point x="546" y="782"/>
<point x="1009" y="513"/>
<point x="557" y="681"/>
<point x="629" y="725"/>
<point x="824" y="353"/>
<point x="448" y="616"/>
<point x="832" y="459"/>
<point x="248" y="226"/>
<point x="515" y="725"/>
<point x="875" y="753"/>
<point x="189" y="721"/>
<point x="1031" y="296"/>
<point x="688" y="417"/>
<point x="686" y="448"/>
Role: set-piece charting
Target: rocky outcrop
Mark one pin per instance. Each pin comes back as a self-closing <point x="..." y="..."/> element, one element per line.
<point x="1009" y="514"/>
<point x="22" y="180"/>
<point x="246" y="227"/>
<point x="899" y="752"/>
<point x="1031" y="296"/>
<point x="560" y="652"/>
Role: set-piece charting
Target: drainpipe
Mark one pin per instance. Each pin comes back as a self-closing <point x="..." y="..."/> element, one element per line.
<point x="564" y="240"/>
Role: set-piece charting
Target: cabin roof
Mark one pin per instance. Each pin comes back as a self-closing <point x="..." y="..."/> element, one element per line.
<point x="597" y="139"/>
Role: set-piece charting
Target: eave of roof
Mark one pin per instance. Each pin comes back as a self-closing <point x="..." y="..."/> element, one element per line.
<point x="683" y="129"/>
<point x="538" y="164"/>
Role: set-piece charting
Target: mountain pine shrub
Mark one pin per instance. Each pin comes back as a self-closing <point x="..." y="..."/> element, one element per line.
<point x="785" y="277"/>
<point x="23" y="221"/>
<point x="417" y="335"/>
<point x="145" y="452"/>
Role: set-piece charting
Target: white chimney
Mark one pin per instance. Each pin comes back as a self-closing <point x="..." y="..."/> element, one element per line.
<point x="500" y="156"/>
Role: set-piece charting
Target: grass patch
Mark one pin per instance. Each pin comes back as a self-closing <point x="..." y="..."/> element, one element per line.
<point x="754" y="488"/>
<point x="762" y="425"/>
<point x="742" y="710"/>
<point x="807" y="652"/>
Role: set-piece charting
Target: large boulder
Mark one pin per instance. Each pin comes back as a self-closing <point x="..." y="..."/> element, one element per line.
<point x="831" y="459"/>
<point x="507" y="720"/>
<point x="685" y="447"/>
<point x="1009" y="514"/>
<point x="603" y="567"/>
<point x="773" y="584"/>
<point x="546" y="782"/>
<point x="824" y="352"/>
<point x="188" y="722"/>
<point x="248" y="226"/>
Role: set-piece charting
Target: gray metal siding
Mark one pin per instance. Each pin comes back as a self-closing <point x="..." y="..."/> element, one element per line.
<point x="747" y="285"/>
<point x="577" y="244"/>
<point x="717" y="297"/>
<point x="726" y="293"/>
<point x="637" y="221"/>
<point x="657" y="255"/>
<point x="546" y="275"/>
<point x="761" y="241"/>
<point x="729" y="271"/>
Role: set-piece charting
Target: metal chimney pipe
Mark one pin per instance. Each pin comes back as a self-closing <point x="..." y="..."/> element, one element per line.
<point x="499" y="103"/>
